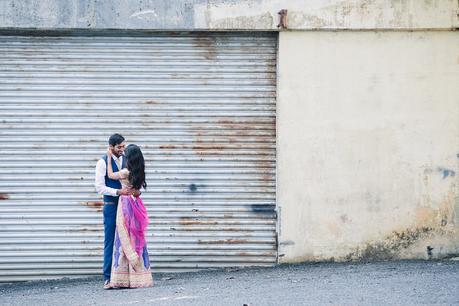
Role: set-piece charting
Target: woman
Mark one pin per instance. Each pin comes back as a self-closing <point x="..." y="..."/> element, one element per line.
<point x="131" y="265"/>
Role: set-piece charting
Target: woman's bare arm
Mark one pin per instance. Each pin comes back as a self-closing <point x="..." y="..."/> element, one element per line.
<point x="111" y="174"/>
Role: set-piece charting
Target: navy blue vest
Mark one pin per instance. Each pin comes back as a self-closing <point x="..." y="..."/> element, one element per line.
<point x="116" y="184"/>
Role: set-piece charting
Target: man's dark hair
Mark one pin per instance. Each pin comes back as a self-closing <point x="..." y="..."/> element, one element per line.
<point x="115" y="139"/>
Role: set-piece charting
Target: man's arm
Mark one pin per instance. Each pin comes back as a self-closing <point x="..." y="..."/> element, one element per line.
<point x="100" y="181"/>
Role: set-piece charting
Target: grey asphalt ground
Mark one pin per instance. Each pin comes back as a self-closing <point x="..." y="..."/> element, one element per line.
<point x="381" y="283"/>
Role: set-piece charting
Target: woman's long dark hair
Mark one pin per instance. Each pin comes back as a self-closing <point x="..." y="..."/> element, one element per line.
<point x="136" y="166"/>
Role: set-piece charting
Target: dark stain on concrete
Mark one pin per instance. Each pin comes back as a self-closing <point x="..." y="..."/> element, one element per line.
<point x="446" y="172"/>
<point x="429" y="250"/>
<point x="390" y="247"/>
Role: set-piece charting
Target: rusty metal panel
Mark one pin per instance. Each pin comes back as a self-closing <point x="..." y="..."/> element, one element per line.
<point x="201" y="106"/>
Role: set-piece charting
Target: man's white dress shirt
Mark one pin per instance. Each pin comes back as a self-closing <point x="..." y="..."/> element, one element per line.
<point x="101" y="170"/>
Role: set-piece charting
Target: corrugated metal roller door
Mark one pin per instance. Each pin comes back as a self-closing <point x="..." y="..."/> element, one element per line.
<point x="202" y="107"/>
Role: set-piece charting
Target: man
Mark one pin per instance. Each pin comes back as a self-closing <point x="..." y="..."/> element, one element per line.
<point x="111" y="189"/>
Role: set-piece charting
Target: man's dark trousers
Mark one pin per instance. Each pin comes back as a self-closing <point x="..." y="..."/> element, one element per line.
<point x="109" y="228"/>
<point x="110" y="207"/>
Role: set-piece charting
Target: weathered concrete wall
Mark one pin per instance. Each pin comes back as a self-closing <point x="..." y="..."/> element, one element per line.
<point x="368" y="145"/>
<point x="229" y="14"/>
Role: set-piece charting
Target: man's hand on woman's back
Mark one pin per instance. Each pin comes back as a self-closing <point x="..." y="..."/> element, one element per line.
<point x="123" y="191"/>
<point x="128" y="191"/>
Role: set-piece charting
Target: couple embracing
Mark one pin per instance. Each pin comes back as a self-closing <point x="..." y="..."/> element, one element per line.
<point x="120" y="174"/>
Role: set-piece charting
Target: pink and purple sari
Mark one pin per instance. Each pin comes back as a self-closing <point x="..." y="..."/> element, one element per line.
<point x="131" y="265"/>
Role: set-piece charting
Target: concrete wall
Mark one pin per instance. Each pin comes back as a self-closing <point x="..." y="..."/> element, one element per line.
<point x="229" y="14"/>
<point x="368" y="145"/>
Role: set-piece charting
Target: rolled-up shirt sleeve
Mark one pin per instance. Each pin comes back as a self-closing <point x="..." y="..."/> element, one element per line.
<point x="101" y="169"/>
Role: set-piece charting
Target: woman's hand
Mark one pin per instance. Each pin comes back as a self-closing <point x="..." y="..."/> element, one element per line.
<point x="109" y="152"/>
<point x="136" y="193"/>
